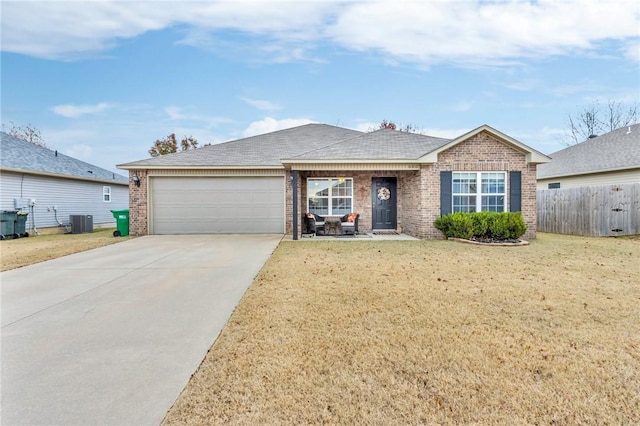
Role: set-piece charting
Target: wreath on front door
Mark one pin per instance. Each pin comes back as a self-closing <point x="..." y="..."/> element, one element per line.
<point x="384" y="194"/>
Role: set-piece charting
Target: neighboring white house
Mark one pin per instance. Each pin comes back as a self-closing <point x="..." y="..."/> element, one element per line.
<point x="609" y="159"/>
<point x="52" y="186"/>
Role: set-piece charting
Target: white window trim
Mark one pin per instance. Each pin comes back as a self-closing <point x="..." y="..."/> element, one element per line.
<point x="329" y="204"/>
<point x="106" y="190"/>
<point x="478" y="194"/>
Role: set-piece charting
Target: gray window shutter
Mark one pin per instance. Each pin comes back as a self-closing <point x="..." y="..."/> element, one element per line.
<point x="446" y="192"/>
<point x="515" y="191"/>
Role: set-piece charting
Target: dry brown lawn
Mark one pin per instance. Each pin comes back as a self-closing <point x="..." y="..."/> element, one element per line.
<point x="34" y="249"/>
<point x="429" y="332"/>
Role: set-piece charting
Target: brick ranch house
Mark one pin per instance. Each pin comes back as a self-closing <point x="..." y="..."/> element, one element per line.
<point x="394" y="180"/>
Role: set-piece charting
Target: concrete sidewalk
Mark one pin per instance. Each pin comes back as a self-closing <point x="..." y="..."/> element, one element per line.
<point x="111" y="336"/>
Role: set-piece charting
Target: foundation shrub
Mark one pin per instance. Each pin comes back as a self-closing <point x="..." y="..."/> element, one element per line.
<point x="455" y="225"/>
<point x="516" y="225"/>
<point x="499" y="228"/>
<point x="482" y="225"/>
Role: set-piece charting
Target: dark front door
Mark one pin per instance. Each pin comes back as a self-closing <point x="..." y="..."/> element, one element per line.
<point x="383" y="196"/>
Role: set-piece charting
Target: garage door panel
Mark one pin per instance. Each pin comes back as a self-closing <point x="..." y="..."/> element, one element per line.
<point x="213" y="205"/>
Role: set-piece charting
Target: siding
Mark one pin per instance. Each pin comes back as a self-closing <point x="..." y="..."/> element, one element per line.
<point x="70" y="196"/>
<point x="609" y="178"/>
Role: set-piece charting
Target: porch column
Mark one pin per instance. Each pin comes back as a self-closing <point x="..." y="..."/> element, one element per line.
<point x="294" y="188"/>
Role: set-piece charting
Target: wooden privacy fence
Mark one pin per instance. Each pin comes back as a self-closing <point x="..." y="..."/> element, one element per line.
<point x="594" y="211"/>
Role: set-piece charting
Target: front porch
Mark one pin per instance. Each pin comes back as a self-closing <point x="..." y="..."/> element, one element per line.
<point x="386" y="200"/>
<point x="359" y="237"/>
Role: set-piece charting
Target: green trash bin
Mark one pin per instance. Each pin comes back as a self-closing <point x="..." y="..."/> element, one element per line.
<point x="122" y="222"/>
<point x="21" y="223"/>
<point x="8" y="225"/>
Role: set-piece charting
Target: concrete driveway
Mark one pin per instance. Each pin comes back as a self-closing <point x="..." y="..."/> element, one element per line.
<point x="111" y="336"/>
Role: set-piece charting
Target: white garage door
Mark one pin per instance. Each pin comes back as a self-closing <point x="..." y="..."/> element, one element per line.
<point x="217" y="205"/>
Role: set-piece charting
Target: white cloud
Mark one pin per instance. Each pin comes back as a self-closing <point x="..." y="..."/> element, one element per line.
<point x="270" y="124"/>
<point x="525" y="85"/>
<point x="79" y="151"/>
<point x="261" y="104"/>
<point x="367" y="126"/>
<point x="545" y="140"/>
<point x="75" y="111"/>
<point x="183" y="114"/>
<point x="67" y="30"/>
<point x="632" y="50"/>
<point x="175" y="113"/>
<point x="461" y="106"/>
<point x="467" y="33"/>
<point x="483" y="33"/>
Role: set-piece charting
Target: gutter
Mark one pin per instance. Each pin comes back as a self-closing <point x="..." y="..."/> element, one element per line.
<point x="57" y="175"/>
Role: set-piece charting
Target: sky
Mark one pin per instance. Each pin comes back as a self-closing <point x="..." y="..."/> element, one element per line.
<point x="102" y="80"/>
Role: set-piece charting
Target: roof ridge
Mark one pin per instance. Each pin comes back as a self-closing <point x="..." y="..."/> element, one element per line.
<point x="415" y="143"/>
<point x="332" y="143"/>
<point x="273" y="132"/>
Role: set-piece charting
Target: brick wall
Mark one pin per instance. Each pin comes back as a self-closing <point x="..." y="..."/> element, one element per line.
<point x="362" y="202"/>
<point x="480" y="153"/>
<point x="138" y="214"/>
<point x="288" y="205"/>
<point x="412" y="202"/>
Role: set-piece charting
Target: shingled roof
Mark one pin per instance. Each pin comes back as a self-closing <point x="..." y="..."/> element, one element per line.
<point x="318" y="143"/>
<point x="616" y="150"/>
<point x="265" y="150"/>
<point x="383" y="144"/>
<point x="22" y="156"/>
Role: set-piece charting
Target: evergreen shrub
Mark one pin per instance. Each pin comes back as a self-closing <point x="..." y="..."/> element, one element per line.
<point x="482" y="225"/>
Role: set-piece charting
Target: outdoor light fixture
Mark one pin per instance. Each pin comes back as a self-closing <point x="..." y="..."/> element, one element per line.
<point x="136" y="179"/>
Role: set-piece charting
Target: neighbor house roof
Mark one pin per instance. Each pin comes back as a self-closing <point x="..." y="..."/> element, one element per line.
<point x="321" y="143"/>
<point x="265" y="150"/>
<point x="616" y="150"/>
<point x="21" y="156"/>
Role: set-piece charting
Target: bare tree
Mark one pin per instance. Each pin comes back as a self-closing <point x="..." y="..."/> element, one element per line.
<point x="594" y="120"/>
<point x="388" y="124"/>
<point x="27" y="133"/>
<point x="621" y="116"/>
<point x="169" y="145"/>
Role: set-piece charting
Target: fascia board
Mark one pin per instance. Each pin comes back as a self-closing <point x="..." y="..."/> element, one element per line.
<point x="129" y="166"/>
<point x="347" y="161"/>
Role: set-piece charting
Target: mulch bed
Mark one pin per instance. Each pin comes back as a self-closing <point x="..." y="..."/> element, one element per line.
<point x="492" y="242"/>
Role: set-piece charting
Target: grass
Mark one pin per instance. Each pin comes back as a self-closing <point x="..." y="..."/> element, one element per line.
<point x="429" y="332"/>
<point x="35" y="249"/>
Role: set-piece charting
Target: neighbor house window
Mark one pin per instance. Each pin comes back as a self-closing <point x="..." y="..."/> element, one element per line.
<point x="106" y="194"/>
<point x="554" y="185"/>
<point x="330" y="197"/>
<point x="479" y="191"/>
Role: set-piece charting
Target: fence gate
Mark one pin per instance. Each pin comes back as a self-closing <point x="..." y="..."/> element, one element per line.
<point x="595" y="211"/>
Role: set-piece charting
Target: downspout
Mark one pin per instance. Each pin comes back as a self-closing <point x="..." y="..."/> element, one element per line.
<point x="294" y="184"/>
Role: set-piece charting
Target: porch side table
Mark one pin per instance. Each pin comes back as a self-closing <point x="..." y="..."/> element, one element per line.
<point x="332" y="225"/>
